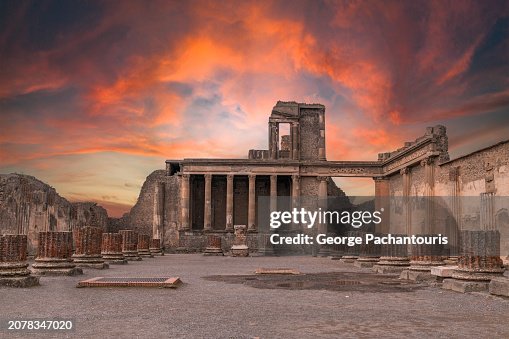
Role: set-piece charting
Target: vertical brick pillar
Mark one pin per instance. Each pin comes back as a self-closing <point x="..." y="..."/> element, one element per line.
<point x="130" y="245"/>
<point x="13" y="265"/>
<point x="111" y="249"/>
<point x="394" y="258"/>
<point x="54" y="255"/>
<point x="155" y="247"/>
<point x="87" y="242"/>
<point x="144" y="246"/>
<point x="213" y="245"/>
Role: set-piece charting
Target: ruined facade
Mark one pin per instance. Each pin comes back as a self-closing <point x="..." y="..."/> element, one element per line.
<point x="29" y="206"/>
<point x="194" y="198"/>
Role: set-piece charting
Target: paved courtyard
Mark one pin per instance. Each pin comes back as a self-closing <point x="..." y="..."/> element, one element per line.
<point x="234" y="307"/>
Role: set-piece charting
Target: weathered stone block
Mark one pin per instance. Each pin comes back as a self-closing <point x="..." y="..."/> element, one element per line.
<point x="443" y="271"/>
<point x="464" y="286"/>
<point x="499" y="286"/>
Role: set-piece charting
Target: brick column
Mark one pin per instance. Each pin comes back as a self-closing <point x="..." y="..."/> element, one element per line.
<point x="251" y="213"/>
<point x="155" y="247"/>
<point x="87" y="242"/>
<point x="478" y="263"/>
<point x="144" y="246"/>
<point x="54" y="255"/>
<point x="13" y="265"/>
<point x="184" y="193"/>
<point x="130" y="245"/>
<point x="207" y="220"/>
<point x="213" y="245"/>
<point x="111" y="249"/>
<point x="229" y="202"/>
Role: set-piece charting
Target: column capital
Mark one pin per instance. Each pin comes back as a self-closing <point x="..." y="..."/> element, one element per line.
<point x="207" y="176"/>
<point x="230" y="176"/>
<point x="185" y="176"/>
<point x="321" y="178"/>
<point x="404" y="170"/>
<point x="381" y="178"/>
<point x="252" y="176"/>
<point x="295" y="177"/>
<point x="427" y="161"/>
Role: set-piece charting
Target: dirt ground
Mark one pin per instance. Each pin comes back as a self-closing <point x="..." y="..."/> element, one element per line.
<point x="222" y="298"/>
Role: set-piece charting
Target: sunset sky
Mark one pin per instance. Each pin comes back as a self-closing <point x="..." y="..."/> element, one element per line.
<point x="95" y="95"/>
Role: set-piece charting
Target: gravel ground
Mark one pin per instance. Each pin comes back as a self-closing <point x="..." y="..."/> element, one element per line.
<point x="207" y="308"/>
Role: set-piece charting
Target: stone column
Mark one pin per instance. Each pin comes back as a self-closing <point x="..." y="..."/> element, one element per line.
<point x="487" y="215"/>
<point x="13" y="266"/>
<point x="405" y="172"/>
<point x="369" y="254"/>
<point x="229" y="202"/>
<point x="155" y="247"/>
<point x="456" y="226"/>
<point x="144" y="246"/>
<point x="213" y="245"/>
<point x="322" y="203"/>
<point x="352" y="252"/>
<point x="130" y="245"/>
<point x="111" y="249"/>
<point x="207" y="220"/>
<point x="88" y="241"/>
<point x="54" y="255"/>
<point x="478" y="263"/>
<point x="295" y="141"/>
<point x="184" y="192"/>
<point x="273" y="193"/>
<point x="382" y="203"/>
<point x="157" y="223"/>
<point x="295" y="190"/>
<point x="321" y="142"/>
<point x="251" y="213"/>
<point x="274" y="140"/>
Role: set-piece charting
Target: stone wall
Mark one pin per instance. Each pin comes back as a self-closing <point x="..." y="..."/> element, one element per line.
<point x="457" y="186"/>
<point x="29" y="206"/>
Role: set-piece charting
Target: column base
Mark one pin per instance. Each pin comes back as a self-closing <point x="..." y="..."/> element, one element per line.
<point x="416" y="275"/>
<point x="14" y="269"/>
<point x="388" y="269"/>
<point x="20" y="282"/>
<point x="131" y="256"/>
<point x="240" y="251"/>
<point x="477" y="276"/>
<point x="424" y="266"/>
<point x="366" y="262"/>
<point x="213" y="251"/>
<point x="145" y="253"/>
<point x="114" y="258"/>
<point x="96" y="262"/>
<point x="324" y="252"/>
<point x="156" y="251"/>
<point x="349" y="259"/>
<point x="55" y="267"/>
